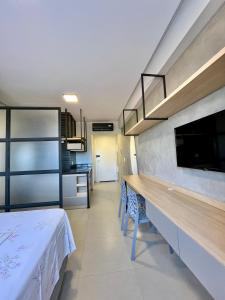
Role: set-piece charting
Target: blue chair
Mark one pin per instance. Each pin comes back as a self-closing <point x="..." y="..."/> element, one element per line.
<point x="123" y="202"/>
<point x="171" y="250"/>
<point x="136" y="211"/>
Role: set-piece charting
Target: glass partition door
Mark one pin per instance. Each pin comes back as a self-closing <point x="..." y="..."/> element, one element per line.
<point x="2" y="156"/>
<point x="30" y="154"/>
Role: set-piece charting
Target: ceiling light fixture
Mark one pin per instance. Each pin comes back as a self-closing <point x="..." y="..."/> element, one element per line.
<point x="70" y="98"/>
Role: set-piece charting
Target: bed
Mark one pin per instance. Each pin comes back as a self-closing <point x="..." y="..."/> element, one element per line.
<point x="33" y="247"/>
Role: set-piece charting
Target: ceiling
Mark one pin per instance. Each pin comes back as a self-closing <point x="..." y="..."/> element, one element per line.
<point x="96" y="49"/>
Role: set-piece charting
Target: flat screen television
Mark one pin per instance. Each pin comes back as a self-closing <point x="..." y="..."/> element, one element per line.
<point x="201" y="144"/>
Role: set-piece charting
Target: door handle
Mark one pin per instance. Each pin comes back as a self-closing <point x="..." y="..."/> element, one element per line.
<point x="98" y="155"/>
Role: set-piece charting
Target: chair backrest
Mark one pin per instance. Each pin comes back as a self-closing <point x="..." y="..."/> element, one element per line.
<point x="123" y="192"/>
<point x="132" y="207"/>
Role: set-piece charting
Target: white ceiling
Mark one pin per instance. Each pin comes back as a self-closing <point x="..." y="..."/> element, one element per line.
<point x="95" y="48"/>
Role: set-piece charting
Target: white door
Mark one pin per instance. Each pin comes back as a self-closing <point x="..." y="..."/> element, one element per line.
<point x="105" y="148"/>
<point x="133" y="157"/>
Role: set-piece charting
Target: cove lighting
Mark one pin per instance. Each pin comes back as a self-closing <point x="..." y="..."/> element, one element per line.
<point x="70" y="98"/>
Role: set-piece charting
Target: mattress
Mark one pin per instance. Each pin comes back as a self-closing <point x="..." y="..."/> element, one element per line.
<point x="33" y="245"/>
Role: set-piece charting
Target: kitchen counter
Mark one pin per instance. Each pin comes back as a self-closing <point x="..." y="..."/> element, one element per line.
<point x="77" y="171"/>
<point x="77" y="184"/>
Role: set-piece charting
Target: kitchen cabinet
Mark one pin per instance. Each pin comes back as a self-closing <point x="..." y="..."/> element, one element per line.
<point x="76" y="190"/>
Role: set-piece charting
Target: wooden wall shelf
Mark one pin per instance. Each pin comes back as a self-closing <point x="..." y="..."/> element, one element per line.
<point x="209" y="78"/>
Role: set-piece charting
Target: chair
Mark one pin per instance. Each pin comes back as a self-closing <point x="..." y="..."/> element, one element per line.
<point x="123" y="202"/>
<point x="136" y="211"/>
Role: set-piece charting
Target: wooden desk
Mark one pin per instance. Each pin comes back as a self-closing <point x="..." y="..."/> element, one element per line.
<point x="188" y="217"/>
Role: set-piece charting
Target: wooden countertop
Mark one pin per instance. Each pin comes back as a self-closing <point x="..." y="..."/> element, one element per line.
<point x="202" y="218"/>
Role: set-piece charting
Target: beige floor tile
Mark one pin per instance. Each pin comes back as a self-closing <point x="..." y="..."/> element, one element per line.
<point x="101" y="268"/>
<point x="77" y="214"/>
<point x="79" y="230"/>
<point x="105" y="255"/>
<point x="158" y="284"/>
<point x="103" y="229"/>
<point x="102" y="214"/>
<point x="109" y="286"/>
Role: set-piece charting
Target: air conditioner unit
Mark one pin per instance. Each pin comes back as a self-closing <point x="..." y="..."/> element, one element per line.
<point x="102" y="127"/>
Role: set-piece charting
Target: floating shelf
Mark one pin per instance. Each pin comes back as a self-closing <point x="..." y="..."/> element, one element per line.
<point x="81" y="184"/>
<point x="73" y="142"/>
<point x="209" y="78"/>
<point x="76" y="139"/>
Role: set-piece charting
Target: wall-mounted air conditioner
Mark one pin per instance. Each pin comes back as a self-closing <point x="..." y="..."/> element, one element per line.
<point x="102" y="127"/>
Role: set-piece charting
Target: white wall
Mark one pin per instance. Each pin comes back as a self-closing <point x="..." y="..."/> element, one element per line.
<point x="87" y="157"/>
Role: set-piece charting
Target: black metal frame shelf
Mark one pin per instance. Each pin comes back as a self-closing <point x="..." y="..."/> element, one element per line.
<point x="143" y="75"/>
<point x="83" y="130"/>
<point x="124" y="121"/>
<point x="143" y="93"/>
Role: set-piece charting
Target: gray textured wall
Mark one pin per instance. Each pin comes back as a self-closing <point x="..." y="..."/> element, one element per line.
<point x="156" y="151"/>
<point x="124" y="162"/>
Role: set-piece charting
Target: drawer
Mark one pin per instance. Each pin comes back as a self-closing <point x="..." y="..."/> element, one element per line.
<point x="166" y="227"/>
<point x="209" y="271"/>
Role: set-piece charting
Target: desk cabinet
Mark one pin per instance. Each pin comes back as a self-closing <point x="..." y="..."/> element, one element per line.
<point x="209" y="271"/>
<point x="167" y="228"/>
<point x="202" y="248"/>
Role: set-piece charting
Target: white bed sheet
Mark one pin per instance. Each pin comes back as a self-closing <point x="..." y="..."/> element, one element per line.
<point x="33" y="245"/>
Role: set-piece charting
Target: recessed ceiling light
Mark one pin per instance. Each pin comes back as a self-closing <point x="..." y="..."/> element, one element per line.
<point x="70" y="98"/>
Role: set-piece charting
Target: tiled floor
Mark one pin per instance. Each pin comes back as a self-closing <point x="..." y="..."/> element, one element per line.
<point x="101" y="269"/>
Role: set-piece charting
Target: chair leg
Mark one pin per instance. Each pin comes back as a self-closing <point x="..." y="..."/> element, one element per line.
<point x="133" y="251"/>
<point x="154" y="229"/>
<point x="125" y="226"/>
<point x="120" y="207"/>
<point x="123" y="215"/>
<point x="171" y="250"/>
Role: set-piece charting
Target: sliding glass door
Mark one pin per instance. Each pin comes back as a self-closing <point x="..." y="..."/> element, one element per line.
<point x="2" y="156"/>
<point x="30" y="153"/>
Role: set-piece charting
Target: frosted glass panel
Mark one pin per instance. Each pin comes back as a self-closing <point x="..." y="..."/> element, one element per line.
<point x="2" y="157"/>
<point x="34" y="188"/>
<point x="34" y="123"/>
<point x="2" y="123"/>
<point x="2" y="190"/>
<point x="30" y="156"/>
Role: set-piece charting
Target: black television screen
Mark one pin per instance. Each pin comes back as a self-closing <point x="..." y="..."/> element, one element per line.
<point x="201" y="144"/>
